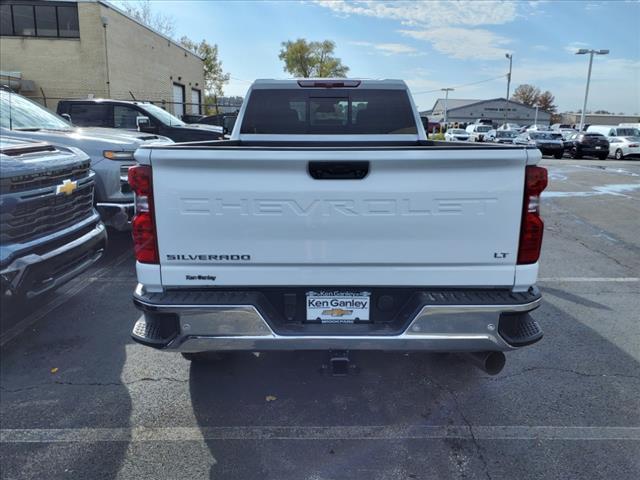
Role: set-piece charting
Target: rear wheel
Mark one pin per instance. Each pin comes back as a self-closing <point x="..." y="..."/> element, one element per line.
<point x="619" y="155"/>
<point x="575" y="153"/>
<point x="603" y="156"/>
<point x="557" y="156"/>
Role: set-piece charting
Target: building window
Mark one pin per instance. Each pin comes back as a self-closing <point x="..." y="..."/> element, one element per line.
<point x="6" y="22"/>
<point x="178" y="100"/>
<point x="46" y="21"/>
<point x="23" y="20"/>
<point x="52" y="20"/>
<point x="195" y="101"/>
<point x="68" y="22"/>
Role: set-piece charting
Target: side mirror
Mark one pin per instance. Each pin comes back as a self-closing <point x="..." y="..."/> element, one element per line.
<point x="144" y="124"/>
<point x="67" y="116"/>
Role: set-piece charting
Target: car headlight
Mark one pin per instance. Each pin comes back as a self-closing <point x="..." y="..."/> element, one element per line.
<point x="115" y="155"/>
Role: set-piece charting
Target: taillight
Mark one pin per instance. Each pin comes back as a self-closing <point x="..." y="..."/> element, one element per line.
<point x="532" y="224"/>
<point x="143" y="226"/>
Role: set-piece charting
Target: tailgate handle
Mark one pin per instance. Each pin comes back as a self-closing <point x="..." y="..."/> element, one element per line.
<point x="338" y="170"/>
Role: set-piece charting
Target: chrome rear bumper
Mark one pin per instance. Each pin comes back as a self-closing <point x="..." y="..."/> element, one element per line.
<point x="199" y="327"/>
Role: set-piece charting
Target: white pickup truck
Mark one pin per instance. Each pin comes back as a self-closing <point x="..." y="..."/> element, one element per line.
<point x="328" y="221"/>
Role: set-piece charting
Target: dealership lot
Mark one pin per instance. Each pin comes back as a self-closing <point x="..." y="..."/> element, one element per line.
<point x="81" y="400"/>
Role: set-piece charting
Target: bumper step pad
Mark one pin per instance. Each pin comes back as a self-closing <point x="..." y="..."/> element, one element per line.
<point x="154" y="330"/>
<point x="519" y="330"/>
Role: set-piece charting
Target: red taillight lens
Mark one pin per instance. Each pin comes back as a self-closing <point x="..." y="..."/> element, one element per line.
<point x="532" y="225"/>
<point x="143" y="227"/>
<point x="140" y="179"/>
<point x="144" y="238"/>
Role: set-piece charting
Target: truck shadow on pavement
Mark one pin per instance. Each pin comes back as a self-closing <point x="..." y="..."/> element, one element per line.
<point x="64" y="372"/>
<point x="573" y="376"/>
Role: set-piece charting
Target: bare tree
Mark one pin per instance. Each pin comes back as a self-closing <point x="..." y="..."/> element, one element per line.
<point x="141" y="10"/>
<point x="546" y="102"/>
<point x="527" y="94"/>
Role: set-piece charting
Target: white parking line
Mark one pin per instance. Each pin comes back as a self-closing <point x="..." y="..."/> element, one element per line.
<point x="590" y="279"/>
<point x="388" y="432"/>
<point x="76" y="286"/>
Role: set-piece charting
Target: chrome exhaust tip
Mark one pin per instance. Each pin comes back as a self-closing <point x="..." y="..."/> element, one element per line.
<point x="491" y="363"/>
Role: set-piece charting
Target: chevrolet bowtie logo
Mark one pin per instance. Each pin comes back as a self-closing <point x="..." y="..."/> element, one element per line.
<point x="67" y="187"/>
<point x="337" y="312"/>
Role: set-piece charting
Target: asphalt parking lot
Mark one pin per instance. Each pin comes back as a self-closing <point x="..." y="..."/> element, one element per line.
<point x="80" y="400"/>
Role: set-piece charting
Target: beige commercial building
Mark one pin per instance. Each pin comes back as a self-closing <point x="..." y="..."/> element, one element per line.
<point x="53" y="50"/>
<point x="572" y="118"/>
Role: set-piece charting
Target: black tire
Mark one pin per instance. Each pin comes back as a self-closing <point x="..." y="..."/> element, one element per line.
<point x="557" y="156"/>
<point x="576" y="154"/>
<point x="619" y="155"/>
<point x="603" y="157"/>
<point x="204" y="357"/>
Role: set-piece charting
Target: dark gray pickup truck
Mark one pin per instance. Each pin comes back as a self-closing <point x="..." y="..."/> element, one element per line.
<point x="49" y="230"/>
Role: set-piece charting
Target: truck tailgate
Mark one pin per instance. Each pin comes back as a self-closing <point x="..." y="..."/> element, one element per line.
<point x="420" y="217"/>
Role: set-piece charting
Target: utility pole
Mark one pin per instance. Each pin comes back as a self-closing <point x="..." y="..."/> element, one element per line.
<point x="584" y="51"/>
<point x="535" y="121"/>
<point x="446" y="99"/>
<point x="506" y="103"/>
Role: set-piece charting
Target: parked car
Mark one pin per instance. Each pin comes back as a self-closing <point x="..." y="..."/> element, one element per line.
<point x="191" y="118"/>
<point x="456" y="135"/>
<point x="561" y="126"/>
<point x="548" y="142"/>
<point x="110" y="150"/>
<point x="585" y="144"/>
<point x="477" y="131"/>
<point x="141" y="116"/>
<point x="536" y="128"/>
<point x="377" y="231"/>
<point x="624" y="147"/>
<point x="49" y="228"/>
<point x="566" y="132"/>
<point x="226" y="121"/>
<point x="502" y="136"/>
<point x="613" y="131"/>
<point x="509" y="126"/>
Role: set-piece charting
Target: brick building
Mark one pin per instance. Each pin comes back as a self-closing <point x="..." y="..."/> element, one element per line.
<point x="51" y="50"/>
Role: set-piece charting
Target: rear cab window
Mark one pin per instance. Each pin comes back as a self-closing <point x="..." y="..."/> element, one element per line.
<point x="91" y="114"/>
<point x="333" y="111"/>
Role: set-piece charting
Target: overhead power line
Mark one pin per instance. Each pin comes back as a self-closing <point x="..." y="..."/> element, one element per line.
<point x="463" y="85"/>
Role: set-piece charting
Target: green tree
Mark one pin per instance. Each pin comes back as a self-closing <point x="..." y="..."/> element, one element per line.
<point x="527" y="94"/>
<point x="546" y="101"/>
<point x="311" y="59"/>
<point x="214" y="77"/>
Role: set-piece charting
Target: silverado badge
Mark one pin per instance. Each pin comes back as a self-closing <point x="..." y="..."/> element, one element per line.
<point x="67" y="187"/>
<point x="337" y="312"/>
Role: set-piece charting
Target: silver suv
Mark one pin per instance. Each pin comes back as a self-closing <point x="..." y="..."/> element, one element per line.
<point x="110" y="150"/>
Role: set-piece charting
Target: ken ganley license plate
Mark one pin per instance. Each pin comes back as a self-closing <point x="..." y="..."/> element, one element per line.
<point x="338" y="307"/>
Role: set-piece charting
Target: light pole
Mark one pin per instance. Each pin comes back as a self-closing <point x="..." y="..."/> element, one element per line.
<point x="506" y="103"/>
<point x="446" y="99"/>
<point x="584" y="51"/>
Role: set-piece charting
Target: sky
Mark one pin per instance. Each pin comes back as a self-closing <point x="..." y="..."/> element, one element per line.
<point x="435" y="44"/>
